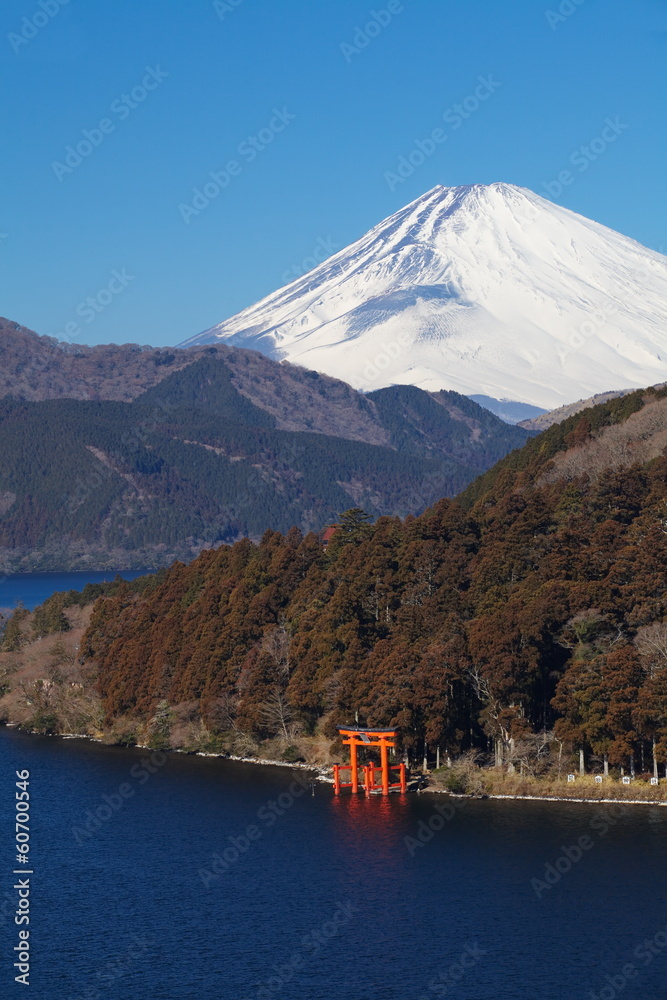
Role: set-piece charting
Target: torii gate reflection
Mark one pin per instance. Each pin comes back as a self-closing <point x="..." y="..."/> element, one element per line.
<point x="382" y="738"/>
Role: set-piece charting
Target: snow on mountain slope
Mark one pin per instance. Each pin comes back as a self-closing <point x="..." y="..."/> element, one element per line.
<point x="485" y="289"/>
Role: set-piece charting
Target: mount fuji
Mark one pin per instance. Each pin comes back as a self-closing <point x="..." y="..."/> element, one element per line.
<point x="483" y="289"/>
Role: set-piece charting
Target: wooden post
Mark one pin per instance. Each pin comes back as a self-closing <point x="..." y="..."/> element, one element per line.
<point x="367" y="779"/>
<point x="354" y="776"/>
<point x="384" y="761"/>
<point x="437" y="757"/>
<point x="404" y="784"/>
<point x="336" y="777"/>
<point x="371" y="767"/>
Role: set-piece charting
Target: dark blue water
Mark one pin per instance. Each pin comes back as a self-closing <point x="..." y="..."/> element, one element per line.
<point x="34" y="588"/>
<point x="321" y="898"/>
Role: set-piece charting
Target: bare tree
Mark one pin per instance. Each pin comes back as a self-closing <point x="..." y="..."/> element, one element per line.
<point x="640" y="438"/>
<point x="493" y="711"/>
<point x="532" y="753"/>
<point x="276" y="713"/>
<point x="276" y="644"/>
<point x="651" y="644"/>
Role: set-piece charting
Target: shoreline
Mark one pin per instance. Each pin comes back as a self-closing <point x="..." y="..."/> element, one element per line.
<point x="544" y="798"/>
<point x="317" y="769"/>
<point x="321" y="773"/>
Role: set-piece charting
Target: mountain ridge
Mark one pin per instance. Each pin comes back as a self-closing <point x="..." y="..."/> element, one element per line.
<point x="226" y="446"/>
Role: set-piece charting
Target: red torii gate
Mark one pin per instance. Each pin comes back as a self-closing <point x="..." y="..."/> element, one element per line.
<point x="382" y="738"/>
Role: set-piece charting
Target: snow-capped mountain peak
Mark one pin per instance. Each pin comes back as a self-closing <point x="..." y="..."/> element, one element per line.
<point x="486" y="289"/>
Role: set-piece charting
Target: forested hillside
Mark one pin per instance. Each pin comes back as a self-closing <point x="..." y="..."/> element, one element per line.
<point x="193" y="462"/>
<point x="527" y="618"/>
<point x="38" y="368"/>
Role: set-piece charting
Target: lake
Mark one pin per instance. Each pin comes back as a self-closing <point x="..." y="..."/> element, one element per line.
<point x="34" y="588"/>
<point x="171" y="877"/>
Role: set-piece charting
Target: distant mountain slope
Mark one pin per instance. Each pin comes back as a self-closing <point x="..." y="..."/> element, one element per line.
<point x="544" y="420"/>
<point x="513" y="413"/>
<point x="484" y="289"/>
<point x="193" y="462"/>
<point x="538" y="458"/>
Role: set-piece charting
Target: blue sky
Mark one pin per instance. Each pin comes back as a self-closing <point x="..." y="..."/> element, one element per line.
<point x="313" y="102"/>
